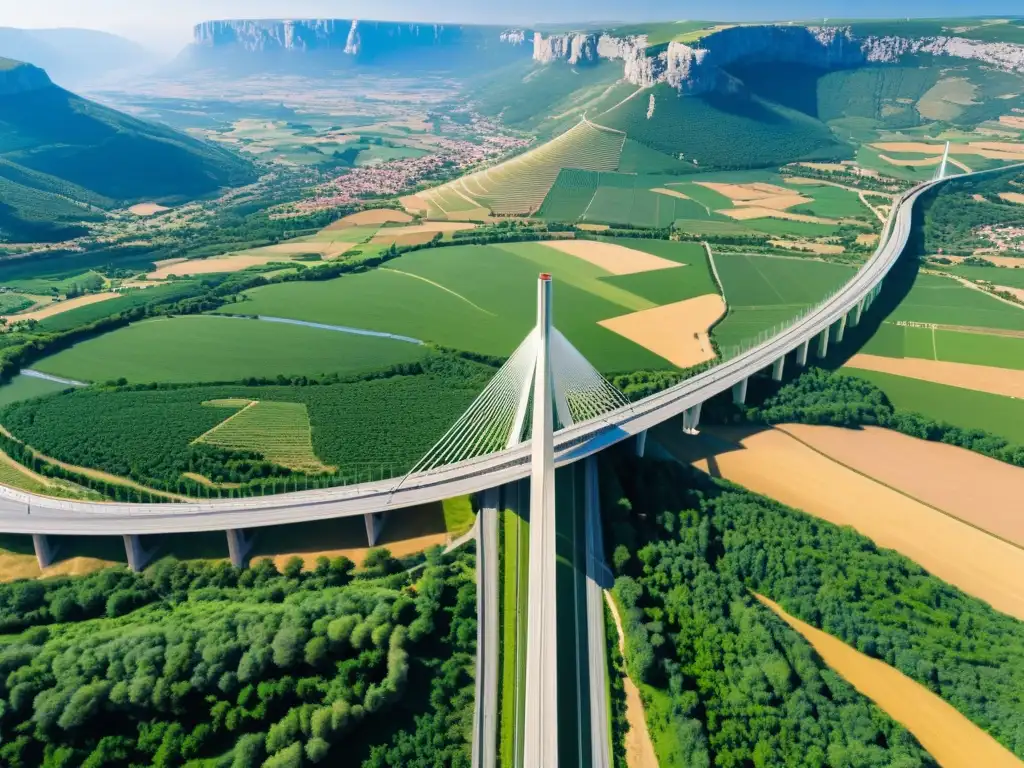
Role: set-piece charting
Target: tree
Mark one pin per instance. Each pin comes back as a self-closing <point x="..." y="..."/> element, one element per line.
<point x="293" y="568"/>
<point x="248" y="751"/>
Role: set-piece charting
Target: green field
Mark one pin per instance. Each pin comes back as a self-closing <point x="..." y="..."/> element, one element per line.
<point x="24" y="387"/>
<point x="765" y="291"/>
<point x="965" y="408"/>
<point x="90" y="313"/>
<point x="943" y="301"/>
<point x="891" y="340"/>
<point x="482" y="299"/>
<point x="202" y="348"/>
<point x="14" y="302"/>
<point x="515" y="570"/>
<point x="277" y="430"/>
<point x="1011" y="278"/>
<point x="833" y="203"/>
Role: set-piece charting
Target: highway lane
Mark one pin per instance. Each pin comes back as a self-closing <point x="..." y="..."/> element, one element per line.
<point x="21" y="512"/>
<point x="485" y="715"/>
<point x="598" y="577"/>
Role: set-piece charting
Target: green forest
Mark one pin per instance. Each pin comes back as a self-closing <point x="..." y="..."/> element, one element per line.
<point x="209" y="666"/>
<point x="742" y="688"/>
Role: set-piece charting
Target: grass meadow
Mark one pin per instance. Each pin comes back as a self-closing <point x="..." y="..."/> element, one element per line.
<point x="948" y="346"/>
<point x="213" y="349"/>
<point x="483" y="299"/>
<point x="763" y="291"/>
<point x="1012" y="278"/>
<point x="965" y="408"/>
<point x="23" y="387"/>
<point x="943" y="301"/>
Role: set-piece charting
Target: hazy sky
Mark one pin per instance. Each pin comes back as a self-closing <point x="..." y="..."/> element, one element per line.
<point x="167" y="23"/>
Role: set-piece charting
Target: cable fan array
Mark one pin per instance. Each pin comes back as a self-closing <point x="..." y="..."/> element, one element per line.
<point x="497" y="418"/>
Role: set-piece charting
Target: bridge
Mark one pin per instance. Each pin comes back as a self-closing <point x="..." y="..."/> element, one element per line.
<point x="544" y="416"/>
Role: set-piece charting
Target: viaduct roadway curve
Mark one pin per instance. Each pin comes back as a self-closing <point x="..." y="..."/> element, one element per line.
<point x="27" y="513"/>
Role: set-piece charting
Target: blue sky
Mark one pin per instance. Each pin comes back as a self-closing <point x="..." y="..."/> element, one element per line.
<point x="168" y="22"/>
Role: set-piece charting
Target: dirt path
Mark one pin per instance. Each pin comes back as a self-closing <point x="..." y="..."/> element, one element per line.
<point x="438" y="285"/>
<point x="952" y="739"/>
<point x="775" y="464"/>
<point x="639" y="747"/>
<point x="980" y="378"/>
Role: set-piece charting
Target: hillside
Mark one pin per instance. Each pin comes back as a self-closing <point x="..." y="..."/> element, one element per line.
<point x="60" y="152"/>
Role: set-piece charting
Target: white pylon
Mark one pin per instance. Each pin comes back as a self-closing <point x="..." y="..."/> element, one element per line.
<point x="540" y="742"/>
<point x="942" y="166"/>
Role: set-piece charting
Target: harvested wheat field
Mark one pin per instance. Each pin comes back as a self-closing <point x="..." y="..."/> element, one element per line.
<point x="826" y="166"/>
<point x="670" y="193"/>
<point x="405" y="532"/>
<point x="59" y="307"/>
<point x="779" y="466"/>
<point x="15" y="566"/>
<point x="1014" y="121"/>
<point x="745" y="191"/>
<point x="798" y="245"/>
<point x="911" y="163"/>
<point x="236" y="262"/>
<point x="747" y="212"/>
<point x="1012" y="262"/>
<point x="639" y="747"/>
<point x="677" y="332"/>
<point x="996" y="150"/>
<point x="414" y="204"/>
<point x="416" y="238"/>
<point x="948" y="736"/>
<point x="776" y="202"/>
<point x="597" y="227"/>
<point x="427" y="226"/>
<point x="611" y="257"/>
<point x="373" y="216"/>
<point x="935" y="473"/>
<point x="1012" y="197"/>
<point x="147" y="209"/>
<point x="981" y="378"/>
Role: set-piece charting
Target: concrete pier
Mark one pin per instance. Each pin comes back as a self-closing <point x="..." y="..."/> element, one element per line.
<point x="641" y="443"/>
<point x="691" y="419"/>
<point x="374" y="525"/>
<point x="239" y="545"/>
<point x="823" y="342"/>
<point x="840" y="329"/>
<point x="858" y="311"/>
<point x="739" y="392"/>
<point x="801" y="354"/>
<point x="46" y="549"/>
<point x="138" y="556"/>
<point x="778" y="367"/>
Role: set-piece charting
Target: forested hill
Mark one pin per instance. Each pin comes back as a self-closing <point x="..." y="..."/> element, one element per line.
<point x="60" y="152"/>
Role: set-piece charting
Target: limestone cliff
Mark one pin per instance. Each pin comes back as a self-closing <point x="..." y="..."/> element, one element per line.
<point x="16" y="78"/>
<point x="702" y="67"/>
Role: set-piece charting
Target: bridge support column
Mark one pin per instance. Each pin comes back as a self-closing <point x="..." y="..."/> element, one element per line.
<point x="374" y="525"/>
<point x="739" y="392"/>
<point x="778" y="367"/>
<point x="46" y="549"/>
<point x="641" y="443"/>
<point x="239" y="545"/>
<point x="691" y="418"/>
<point x="138" y="556"/>
<point x="823" y="342"/>
<point x="840" y="329"/>
<point x="857" y="312"/>
<point x="801" y="354"/>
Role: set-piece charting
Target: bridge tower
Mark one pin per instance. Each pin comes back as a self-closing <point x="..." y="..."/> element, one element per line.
<point x="541" y="717"/>
<point x="941" y="173"/>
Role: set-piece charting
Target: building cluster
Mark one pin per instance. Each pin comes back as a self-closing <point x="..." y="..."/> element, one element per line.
<point x="1002" y="238"/>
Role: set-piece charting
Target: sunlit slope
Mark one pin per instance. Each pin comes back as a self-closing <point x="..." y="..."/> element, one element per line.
<point x="518" y="186"/>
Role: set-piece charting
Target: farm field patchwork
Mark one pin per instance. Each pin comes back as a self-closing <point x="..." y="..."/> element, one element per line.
<point x="60" y="307"/>
<point x="940" y="300"/>
<point x="765" y="291"/>
<point x="279" y="431"/>
<point x="127" y="300"/>
<point x="678" y="332"/>
<point x="203" y="348"/>
<point x="964" y="408"/>
<point x="984" y="349"/>
<point x="982" y="378"/>
<point x="482" y="299"/>
<point x="775" y="464"/>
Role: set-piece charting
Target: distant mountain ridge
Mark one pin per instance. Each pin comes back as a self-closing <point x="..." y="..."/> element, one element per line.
<point x="62" y="158"/>
<point x="255" y="43"/>
<point x="74" y="57"/>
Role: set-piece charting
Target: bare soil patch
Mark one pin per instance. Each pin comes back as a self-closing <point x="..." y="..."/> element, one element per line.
<point x="613" y="258"/>
<point x="948" y="736"/>
<point x="59" y="307"/>
<point x="867" y="239"/>
<point x="639" y="747"/>
<point x="1013" y="121"/>
<point x="778" y="465"/>
<point x="597" y="227"/>
<point x="1017" y="292"/>
<point x="777" y="202"/>
<point x="745" y="191"/>
<point x="1012" y="197"/>
<point x="748" y="212"/>
<point x="981" y="378"/>
<point x="670" y="193"/>
<point x="238" y="261"/>
<point x="798" y="245"/>
<point x="677" y="332"/>
<point x="983" y="492"/>
<point x="373" y="216"/>
<point x="414" y="204"/>
<point x="416" y="238"/>
<point x="147" y="209"/>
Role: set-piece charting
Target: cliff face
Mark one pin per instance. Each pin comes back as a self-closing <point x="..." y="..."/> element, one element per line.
<point x="16" y="78"/>
<point x="702" y="68"/>
<point x="351" y="40"/>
